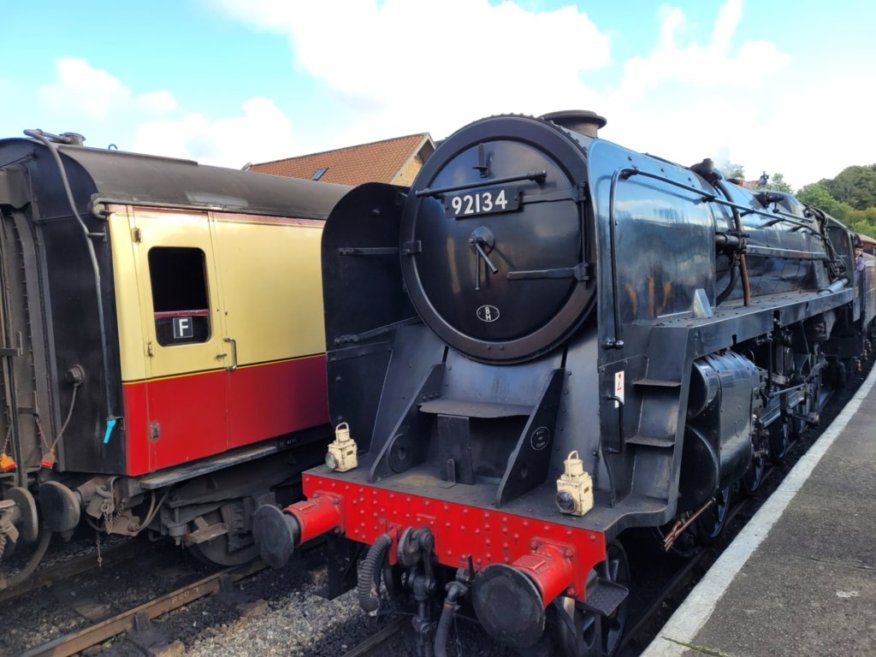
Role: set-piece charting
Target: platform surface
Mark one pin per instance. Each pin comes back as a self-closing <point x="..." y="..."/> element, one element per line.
<point x="800" y="579"/>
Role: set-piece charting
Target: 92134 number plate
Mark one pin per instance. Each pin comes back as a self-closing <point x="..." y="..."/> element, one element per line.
<point x="476" y="202"/>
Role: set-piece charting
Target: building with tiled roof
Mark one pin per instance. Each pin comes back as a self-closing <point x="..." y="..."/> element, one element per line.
<point x="395" y="161"/>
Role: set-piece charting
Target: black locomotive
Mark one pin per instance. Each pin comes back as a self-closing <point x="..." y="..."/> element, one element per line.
<point x="546" y="341"/>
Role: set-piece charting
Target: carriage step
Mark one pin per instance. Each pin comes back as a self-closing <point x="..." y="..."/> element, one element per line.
<point x="605" y="597"/>
<point x="486" y="410"/>
<point x="650" y="441"/>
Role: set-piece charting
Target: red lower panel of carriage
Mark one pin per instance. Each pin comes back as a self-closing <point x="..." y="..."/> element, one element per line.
<point x="180" y="419"/>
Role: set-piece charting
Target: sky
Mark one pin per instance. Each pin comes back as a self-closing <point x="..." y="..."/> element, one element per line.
<point x="774" y="85"/>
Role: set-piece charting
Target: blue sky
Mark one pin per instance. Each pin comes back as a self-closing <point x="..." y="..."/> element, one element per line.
<point x="777" y="86"/>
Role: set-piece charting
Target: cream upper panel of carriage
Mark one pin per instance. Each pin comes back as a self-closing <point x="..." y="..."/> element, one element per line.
<point x="199" y="291"/>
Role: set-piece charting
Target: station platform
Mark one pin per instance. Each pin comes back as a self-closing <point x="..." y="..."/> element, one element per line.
<point x="800" y="579"/>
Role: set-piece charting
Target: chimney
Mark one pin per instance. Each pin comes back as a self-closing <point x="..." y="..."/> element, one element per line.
<point x="583" y="121"/>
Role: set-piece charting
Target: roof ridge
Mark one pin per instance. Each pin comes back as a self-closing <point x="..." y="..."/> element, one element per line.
<point x="421" y="135"/>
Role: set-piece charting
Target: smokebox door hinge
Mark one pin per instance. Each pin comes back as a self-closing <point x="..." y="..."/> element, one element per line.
<point x="412" y="248"/>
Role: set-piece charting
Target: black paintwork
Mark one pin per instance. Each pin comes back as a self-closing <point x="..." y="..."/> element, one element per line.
<point x="659" y="254"/>
<point x="542" y="290"/>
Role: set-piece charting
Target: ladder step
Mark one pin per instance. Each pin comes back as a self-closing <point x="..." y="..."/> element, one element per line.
<point x="650" y="441"/>
<point x="605" y="596"/>
<point x="461" y="408"/>
<point x="657" y="383"/>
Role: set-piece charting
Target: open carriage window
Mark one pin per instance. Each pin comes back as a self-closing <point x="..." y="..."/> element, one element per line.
<point x="179" y="295"/>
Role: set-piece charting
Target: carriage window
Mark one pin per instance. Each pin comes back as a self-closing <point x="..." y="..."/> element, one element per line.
<point x="179" y="295"/>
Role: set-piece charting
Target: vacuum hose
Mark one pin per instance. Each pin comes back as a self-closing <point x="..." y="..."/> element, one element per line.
<point x="368" y="586"/>
<point x="455" y="591"/>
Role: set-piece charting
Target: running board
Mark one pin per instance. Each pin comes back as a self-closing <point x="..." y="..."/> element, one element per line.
<point x="176" y="475"/>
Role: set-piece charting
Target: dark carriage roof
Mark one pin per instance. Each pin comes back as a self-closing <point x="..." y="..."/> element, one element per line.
<point x="123" y="177"/>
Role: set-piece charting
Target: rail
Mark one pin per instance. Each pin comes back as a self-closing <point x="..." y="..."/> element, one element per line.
<point x="379" y="638"/>
<point x="77" y="641"/>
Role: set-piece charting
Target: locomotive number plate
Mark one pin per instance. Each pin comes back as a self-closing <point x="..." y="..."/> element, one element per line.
<point x="491" y="200"/>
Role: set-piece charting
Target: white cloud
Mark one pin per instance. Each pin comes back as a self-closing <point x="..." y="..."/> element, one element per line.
<point x="687" y="101"/>
<point x="96" y="93"/>
<point x="157" y="101"/>
<point x="81" y="87"/>
<point x="709" y="66"/>
<point x="262" y="132"/>
<point x="435" y="64"/>
<point x="402" y="66"/>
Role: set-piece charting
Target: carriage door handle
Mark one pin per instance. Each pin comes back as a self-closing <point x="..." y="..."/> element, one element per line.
<point x="233" y="344"/>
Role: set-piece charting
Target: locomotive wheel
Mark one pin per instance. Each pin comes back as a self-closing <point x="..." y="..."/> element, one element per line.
<point x="840" y="375"/>
<point x="753" y="477"/>
<point x="711" y="523"/>
<point x="780" y="440"/>
<point x="576" y="632"/>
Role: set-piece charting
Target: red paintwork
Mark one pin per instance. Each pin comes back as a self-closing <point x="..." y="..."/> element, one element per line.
<point x="270" y="400"/>
<point x="261" y="402"/>
<point x="551" y="567"/>
<point x="318" y="515"/>
<point x="486" y="535"/>
<point x="203" y="312"/>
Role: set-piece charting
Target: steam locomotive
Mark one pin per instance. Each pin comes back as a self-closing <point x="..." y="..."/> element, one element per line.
<point x="162" y="349"/>
<point x="549" y="340"/>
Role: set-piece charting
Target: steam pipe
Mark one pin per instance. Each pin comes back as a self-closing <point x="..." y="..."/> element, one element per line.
<point x="743" y="265"/>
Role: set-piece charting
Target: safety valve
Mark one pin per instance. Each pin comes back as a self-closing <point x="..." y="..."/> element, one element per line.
<point x="574" y="487"/>
<point x="342" y="452"/>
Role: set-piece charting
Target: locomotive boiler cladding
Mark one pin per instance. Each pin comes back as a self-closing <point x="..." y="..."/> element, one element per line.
<point x="544" y="322"/>
<point x="161" y="345"/>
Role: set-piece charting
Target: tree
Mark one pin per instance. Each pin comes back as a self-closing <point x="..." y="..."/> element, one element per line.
<point x="777" y="183"/>
<point x="817" y="195"/>
<point x="855" y="185"/>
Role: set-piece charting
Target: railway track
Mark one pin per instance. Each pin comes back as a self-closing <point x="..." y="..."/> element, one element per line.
<point x="138" y="618"/>
<point x="372" y="645"/>
<point x="52" y="575"/>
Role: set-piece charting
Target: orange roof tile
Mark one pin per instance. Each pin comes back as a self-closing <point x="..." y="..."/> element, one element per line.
<point x="379" y="161"/>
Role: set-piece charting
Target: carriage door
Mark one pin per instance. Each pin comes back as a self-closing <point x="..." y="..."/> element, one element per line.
<point x="269" y="269"/>
<point x="183" y="330"/>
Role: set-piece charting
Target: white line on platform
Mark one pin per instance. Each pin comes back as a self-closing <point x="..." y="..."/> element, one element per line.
<point x="690" y="617"/>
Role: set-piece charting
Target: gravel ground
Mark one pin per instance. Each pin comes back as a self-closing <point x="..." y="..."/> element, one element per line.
<point x="284" y="613"/>
<point x="43" y="615"/>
